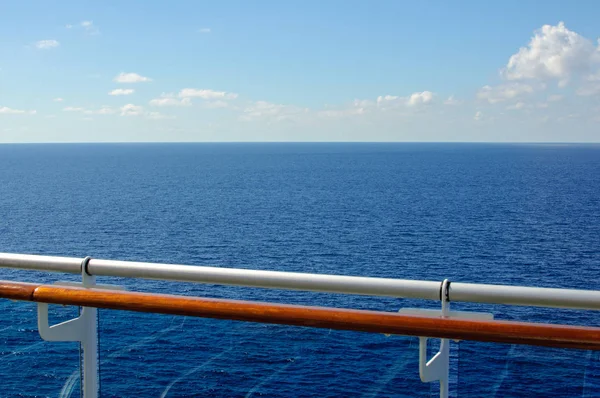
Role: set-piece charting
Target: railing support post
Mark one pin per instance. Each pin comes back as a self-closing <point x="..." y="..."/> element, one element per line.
<point x="90" y="341"/>
<point x="438" y="367"/>
<point x="83" y="329"/>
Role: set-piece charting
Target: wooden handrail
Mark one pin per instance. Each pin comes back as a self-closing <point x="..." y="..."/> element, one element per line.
<point x="561" y="336"/>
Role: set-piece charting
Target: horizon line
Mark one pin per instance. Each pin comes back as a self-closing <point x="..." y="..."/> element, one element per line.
<point x="302" y="142"/>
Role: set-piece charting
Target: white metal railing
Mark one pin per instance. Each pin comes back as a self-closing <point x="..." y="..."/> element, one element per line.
<point x="429" y="290"/>
<point x="83" y="328"/>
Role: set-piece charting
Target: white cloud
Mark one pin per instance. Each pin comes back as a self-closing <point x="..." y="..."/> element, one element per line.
<point x="555" y="98"/>
<point x="168" y="99"/>
<point x="385" y="102"/>
<point x="424" y="97"/>
<point x="136" y="110"/>
<point x="131" y="78"/>
<point x="357" y="107"/>
<point x="73" y="109"/>
<point x="126" y="110"/>
<point x="104" y="110"/>
<point x="362" y="103"/>
<point x="206" y="94"/>
<point x="568" y="117"/>
<point x="337" y="113"/>
<point x="122" y="91"/>
<point x="452" y="101"/>
<point x="47" y="44"/>
<point x="517" y="106"/>
<point x="554" y="52"/>
<point x="131" y="110"/>
<point x="89" y="27"/>
<point x="503" y="92"/>
<point x="383" y="98"/>
<point x="594" y="77"/>
<point x="57" y="100"/>
<point x="591" y="85"/>
<point x="589" y="89"/>
<point x="263" y="110"/>
<point x="204" y="30"/>
<point x="158" y="116"/>
<point x="478" y="116"/>
<point x="213" y="99"/>
<point x="4" y="110"/>
<point x="388" y="102"/>
<point x="214" y="104"/>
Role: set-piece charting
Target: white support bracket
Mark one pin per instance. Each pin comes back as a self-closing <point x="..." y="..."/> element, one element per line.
<point x="438" y="367"/>
<point x="83" y="329"/>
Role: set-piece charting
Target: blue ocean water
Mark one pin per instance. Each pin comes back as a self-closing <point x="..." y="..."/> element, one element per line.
<point x="506" y="214"/>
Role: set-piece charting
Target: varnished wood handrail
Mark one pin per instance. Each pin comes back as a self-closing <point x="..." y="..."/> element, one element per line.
<point x="17" y="290"/>
<point x="561" y="336"/>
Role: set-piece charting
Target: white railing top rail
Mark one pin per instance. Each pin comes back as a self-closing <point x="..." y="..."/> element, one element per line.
<point x="430" y="290"/>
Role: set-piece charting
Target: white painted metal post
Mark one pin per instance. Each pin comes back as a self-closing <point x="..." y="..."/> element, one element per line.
<point x="90" y="354"/>
<point x="438" y="367"/>
<point x="445" y="343"/>
<point x="83" y="329"/>
<point x="90" y="340"/>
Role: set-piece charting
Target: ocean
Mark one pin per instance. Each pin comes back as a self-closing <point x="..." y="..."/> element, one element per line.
<point x="516" y="214"/>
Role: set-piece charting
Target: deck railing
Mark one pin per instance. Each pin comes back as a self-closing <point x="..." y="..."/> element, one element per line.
<point x="443" y="324"/>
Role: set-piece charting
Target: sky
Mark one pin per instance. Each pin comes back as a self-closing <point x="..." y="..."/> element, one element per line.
<point x="200" y="71"/>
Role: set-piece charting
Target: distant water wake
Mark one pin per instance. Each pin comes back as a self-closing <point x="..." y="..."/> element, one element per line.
<point x="194" y="370"/>
<point x="144" y="341"/>
<point x="384" y="379"/>
<point x="265" y="380"/>
<point x="69" y="385"/>
<point x="511" y="354"/>
<point x="591" y="375"/>
<point x="7" y="357"/>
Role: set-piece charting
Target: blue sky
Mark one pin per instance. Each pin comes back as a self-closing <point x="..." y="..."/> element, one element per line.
<point x="116" y="71"/>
